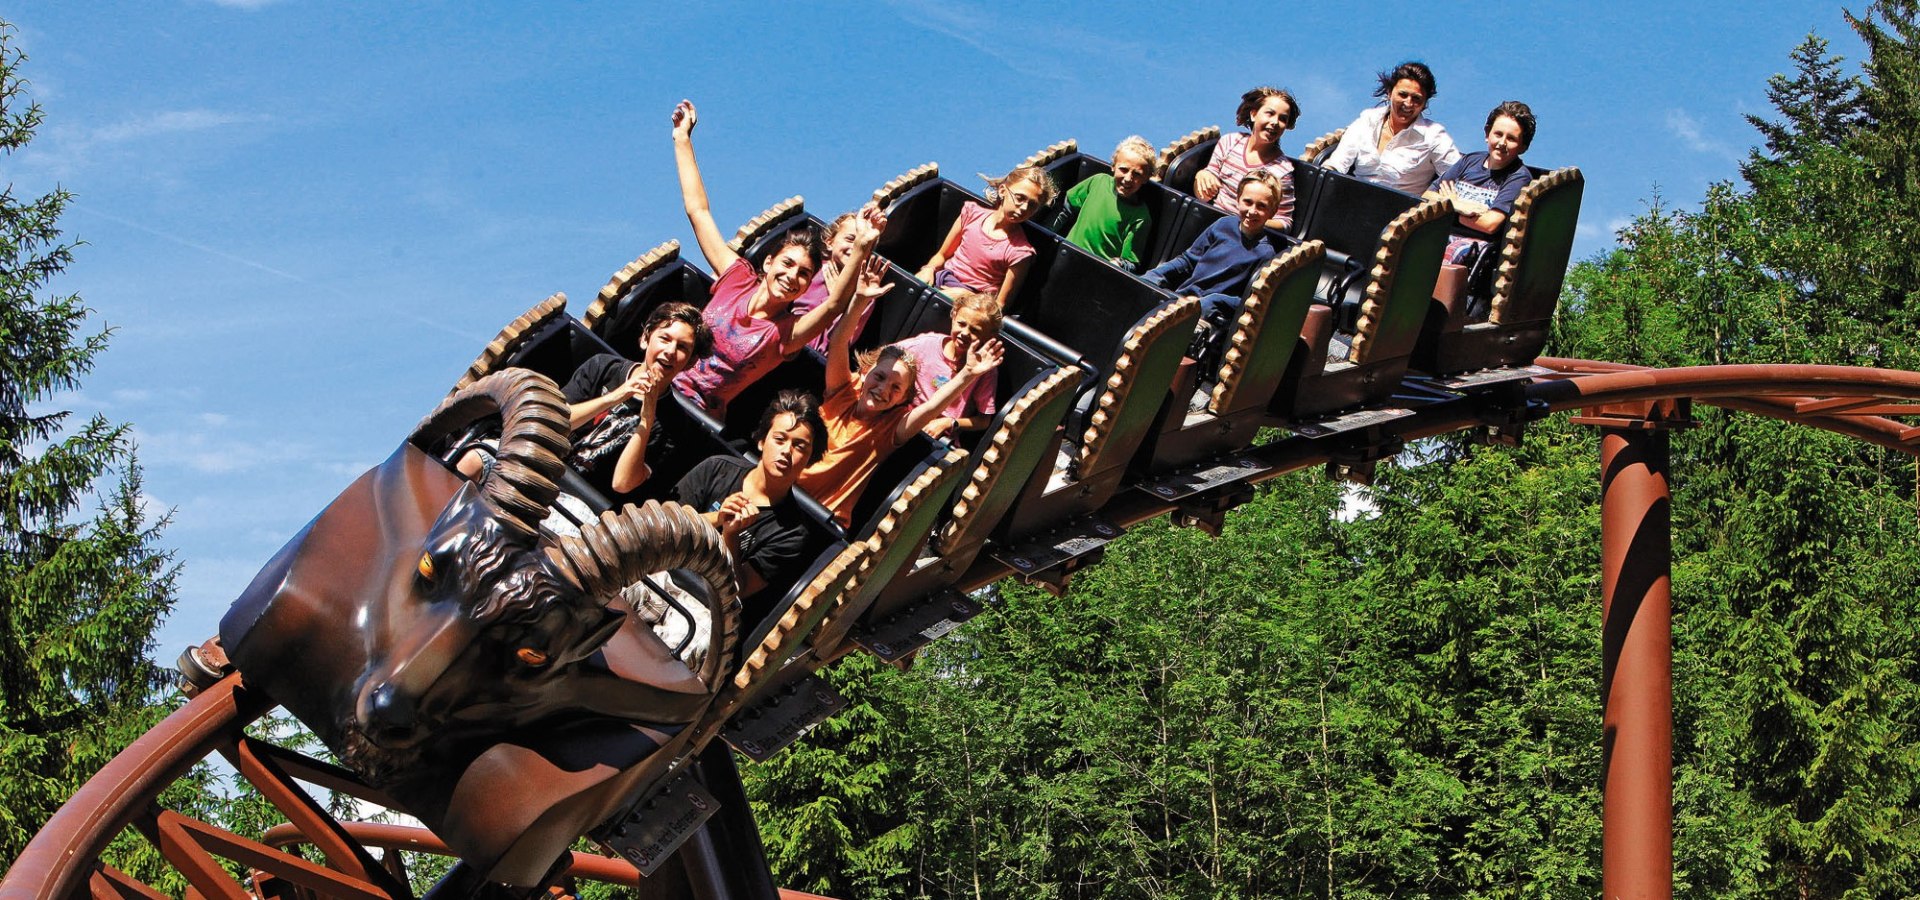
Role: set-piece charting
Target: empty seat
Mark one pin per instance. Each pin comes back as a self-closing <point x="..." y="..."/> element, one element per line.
<point x="1388" y="318"/>
<point x="1257" y="351"/>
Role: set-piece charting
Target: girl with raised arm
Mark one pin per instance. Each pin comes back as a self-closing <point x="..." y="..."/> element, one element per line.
<point x="752" y="315"/>
<point x="867" y="412"/>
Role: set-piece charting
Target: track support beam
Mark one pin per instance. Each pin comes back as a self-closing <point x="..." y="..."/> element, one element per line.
<point x="1636" y="550"/>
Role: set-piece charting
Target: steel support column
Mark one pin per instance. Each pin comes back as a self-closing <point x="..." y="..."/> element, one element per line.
<point x="1636" y="552"/>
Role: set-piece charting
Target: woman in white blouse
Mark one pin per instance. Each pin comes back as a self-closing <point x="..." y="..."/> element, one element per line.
<point x="1396" y="145"/>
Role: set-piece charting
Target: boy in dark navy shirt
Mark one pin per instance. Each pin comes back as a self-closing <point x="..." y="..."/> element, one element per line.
<point x="1222" y="262"/>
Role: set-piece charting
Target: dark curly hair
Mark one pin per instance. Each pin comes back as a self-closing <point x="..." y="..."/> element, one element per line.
<point x="804" y="409"/>
<point x="1521" y="114"/>
<point x="1416" y="72"/>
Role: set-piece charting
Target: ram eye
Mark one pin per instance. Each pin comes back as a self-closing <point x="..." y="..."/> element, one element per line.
<point x="426" y="566"/>
<point x="531" y="656"/>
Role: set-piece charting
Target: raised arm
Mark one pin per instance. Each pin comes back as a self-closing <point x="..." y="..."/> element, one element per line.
<point x="873" y="271"/>
<point x="867" y="227"/>
<point x="693" y="192"/>
<point x="981" y="359"/>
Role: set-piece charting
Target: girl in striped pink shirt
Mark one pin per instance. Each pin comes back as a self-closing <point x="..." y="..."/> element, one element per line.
<point x="1266" y="113"/>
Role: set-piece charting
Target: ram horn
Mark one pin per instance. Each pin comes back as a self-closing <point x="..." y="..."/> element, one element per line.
<point x="522" y="483"/>
<point x="622" y="546"/>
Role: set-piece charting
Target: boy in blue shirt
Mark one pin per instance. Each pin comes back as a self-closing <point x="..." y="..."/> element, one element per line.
<point x="1222" y="261"/>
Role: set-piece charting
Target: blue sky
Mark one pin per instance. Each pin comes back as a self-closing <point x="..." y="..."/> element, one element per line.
<point x="304" y="219"/>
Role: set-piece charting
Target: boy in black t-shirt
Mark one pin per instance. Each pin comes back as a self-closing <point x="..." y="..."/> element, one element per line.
<point x="613" y="406"/>
<point x="752" y="503"/>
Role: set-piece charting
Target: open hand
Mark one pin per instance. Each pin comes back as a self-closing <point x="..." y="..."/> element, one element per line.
<point x="868" y="224"/>
<point x="873" y="280"/>
<point x="983" y="357"/>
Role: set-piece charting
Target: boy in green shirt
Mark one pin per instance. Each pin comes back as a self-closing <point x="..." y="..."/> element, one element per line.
<point x="1109" y="220"/>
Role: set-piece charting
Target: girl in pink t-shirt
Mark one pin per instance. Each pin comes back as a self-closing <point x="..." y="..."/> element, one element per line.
<point x="754" y="315"/>
<point x="939" y="358"/>
<point x="986" y="250"/>
<point x="1266" y="113"/>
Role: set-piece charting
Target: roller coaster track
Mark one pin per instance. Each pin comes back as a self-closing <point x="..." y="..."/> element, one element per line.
<point x="63" y="860"/>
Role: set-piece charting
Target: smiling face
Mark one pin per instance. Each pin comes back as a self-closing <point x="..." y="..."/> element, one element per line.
<point x="1505" y="141"/>
<point x="1406" y="102"/>
<point x="669" y="349"/>
<point x="786" y="449"/>
<point x="1130" y="172"/>
<point x="970" y="327"/>
<point x="1257" y="204"/>
<point x="884" y="387"/>
<point x="840" y="243"/>
<point x="1019" y="200"/>
<point x="788" y="272"/>
<point x="1270" y="121"/>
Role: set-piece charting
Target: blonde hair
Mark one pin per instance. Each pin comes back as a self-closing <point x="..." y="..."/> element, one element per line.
<point x="975" y="301"/>
<point x="840" y="221"/>
<point x="1138" y="146"/>
<point x="867" y="360"/>
<point x="1261" y="176"/>
<point x="1033" y="175"/>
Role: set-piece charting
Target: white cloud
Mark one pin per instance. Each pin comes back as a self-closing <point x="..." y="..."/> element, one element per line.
<point x="167" y="122"/>
<point x="1694" y="136"/>
<point x="64" y="149"/>
<point x="153" y="509"/>
<point x="1009" y="42"/>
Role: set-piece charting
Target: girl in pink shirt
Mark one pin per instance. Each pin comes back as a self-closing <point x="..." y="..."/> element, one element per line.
<point x="986" y="250"/>
<point x="754" y="315"/>
<point x="939" y="358"/>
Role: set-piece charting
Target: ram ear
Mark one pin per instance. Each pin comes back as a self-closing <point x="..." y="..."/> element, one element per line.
<point x="597" y="636"/>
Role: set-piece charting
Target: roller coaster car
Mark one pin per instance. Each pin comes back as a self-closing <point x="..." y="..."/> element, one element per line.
<point x="1035" y="386"/>
<point x="1257" y="346"/>
<point x="1522" y="288"/>
<point x="1529" y="268"/>
<point x="1128" y="336"/>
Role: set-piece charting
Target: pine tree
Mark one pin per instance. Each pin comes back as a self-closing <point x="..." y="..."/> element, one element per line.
<point x="1819" y="106"/>
<point x="79" y="594"/>
<point x="1891" y="149"/>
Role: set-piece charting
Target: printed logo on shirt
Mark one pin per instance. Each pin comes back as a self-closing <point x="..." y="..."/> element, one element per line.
<point x="1475" y="192"/>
